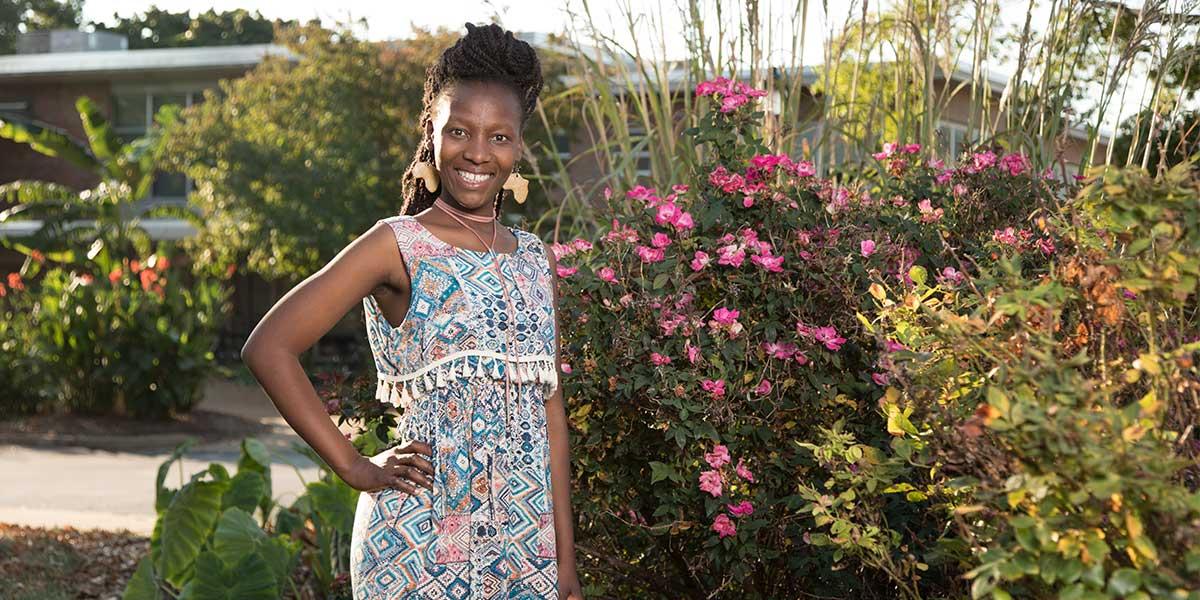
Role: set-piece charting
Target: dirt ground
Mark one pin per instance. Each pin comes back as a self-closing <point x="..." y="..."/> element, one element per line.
<point x="62" y="563"/>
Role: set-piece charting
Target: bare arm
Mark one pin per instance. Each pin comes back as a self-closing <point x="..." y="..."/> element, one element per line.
<point x="560" y="463"/>
<point x="297" y="321"/>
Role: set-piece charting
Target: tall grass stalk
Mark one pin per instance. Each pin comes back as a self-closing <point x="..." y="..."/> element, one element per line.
<point x="884" y="75"/>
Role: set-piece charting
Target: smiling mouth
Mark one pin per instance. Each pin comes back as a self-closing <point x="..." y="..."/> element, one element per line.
<point x="474" y="180"/>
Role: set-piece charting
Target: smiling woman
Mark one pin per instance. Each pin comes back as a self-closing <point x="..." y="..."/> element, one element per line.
<point x="473" y="501"/>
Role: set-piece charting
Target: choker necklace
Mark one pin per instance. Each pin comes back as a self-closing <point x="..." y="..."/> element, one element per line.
<point x="442" y="204"/>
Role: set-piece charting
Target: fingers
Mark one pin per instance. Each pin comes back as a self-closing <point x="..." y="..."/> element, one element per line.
<point x="418" y="446"/>
<point x="413" y="474"/>
<point x="413" y="460"/>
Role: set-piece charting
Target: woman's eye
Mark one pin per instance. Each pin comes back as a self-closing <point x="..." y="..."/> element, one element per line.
<point x="501" y="137"/>
<point x="456" y="131"/>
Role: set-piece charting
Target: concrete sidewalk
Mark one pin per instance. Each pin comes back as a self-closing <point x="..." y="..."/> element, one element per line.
<point x="84" y="488"/>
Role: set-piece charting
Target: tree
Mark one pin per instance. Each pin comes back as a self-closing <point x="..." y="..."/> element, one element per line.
<point x="97" y="221"/>
<point x="158" y="28"/>
<point x="292" y="161"/>
<point x="35" y="15"/>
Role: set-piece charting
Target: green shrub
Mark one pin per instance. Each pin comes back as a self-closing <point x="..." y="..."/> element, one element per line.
<point x="773" y="390"/>
<point x="111" y="337"/>
<point x="223" y="536"/>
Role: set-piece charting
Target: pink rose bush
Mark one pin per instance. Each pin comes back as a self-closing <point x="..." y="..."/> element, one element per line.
<point x="718" y="324"/>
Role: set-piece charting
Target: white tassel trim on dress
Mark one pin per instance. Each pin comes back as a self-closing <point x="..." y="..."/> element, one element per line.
<point x="401" y="390"/>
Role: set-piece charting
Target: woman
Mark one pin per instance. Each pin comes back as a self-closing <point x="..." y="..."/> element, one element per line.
<point x="474" y="501"/>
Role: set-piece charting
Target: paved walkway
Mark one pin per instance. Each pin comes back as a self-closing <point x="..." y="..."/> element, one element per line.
<point x="84" y="488"/>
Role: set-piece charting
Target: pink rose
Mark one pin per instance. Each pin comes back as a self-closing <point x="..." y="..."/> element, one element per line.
<point x="607" y="274"/>
<point x="723" y="526"/>
<point x="866" y="247"/>
<point x="764" y="388"/>
<point x="771" y="264"/>
<point x="711" y="482"/>
<point x="659" y="359"/>
<point x="650" y="255"/>
<point x="714" y="387"/>
<point x="725" y="316"/>
<point x="743" y="471"/>
<point x="700" y="260"/>
<point x="718" y="458"/>
<point x="741" y="509"/>
<point x="566" y="271"/>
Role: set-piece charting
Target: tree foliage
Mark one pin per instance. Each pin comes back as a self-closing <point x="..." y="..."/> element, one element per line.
<point x="159" y="28"/>
<point x="35" y="15"/>
<point x="295" y="159"/>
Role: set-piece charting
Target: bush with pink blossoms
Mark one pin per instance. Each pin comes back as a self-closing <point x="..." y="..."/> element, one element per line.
<point x="731" y="386"/>
<point x="725" y="310"/>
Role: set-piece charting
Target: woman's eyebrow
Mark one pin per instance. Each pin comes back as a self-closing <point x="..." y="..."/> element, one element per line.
<point x="493" y="125"/>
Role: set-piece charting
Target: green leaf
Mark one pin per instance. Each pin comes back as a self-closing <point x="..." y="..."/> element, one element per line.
<point x="918" y="274"/>
<point x="335" y="502"/>
<point x="48" y="140"/>
<point x="237" y="535"/>
<point x="163" y="495"/>
<point x="660" y="471"/>
<point x="282" y="554"/>
<point x="250" y="579"/>
<point x="186" y="524"/>
<point x="1124" y="581"/>
<point x="246" y="491"/>
<point x="142" y="585"/>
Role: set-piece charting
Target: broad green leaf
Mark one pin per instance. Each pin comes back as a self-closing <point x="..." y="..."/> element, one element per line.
<point x="250" y="579"/>
<point x="237" y="535"/>
<point x="186" y="524"/>
<point x="142" y="586"/>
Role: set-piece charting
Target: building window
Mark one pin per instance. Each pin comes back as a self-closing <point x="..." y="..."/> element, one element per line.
<point x="953" y="140"/>
<point x="17" y="109"/>
<point x="134" y="115"/>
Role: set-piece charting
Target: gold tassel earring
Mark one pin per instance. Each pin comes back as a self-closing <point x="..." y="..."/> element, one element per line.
<point x="426" y="172"/>
<point x="519" y="186"/>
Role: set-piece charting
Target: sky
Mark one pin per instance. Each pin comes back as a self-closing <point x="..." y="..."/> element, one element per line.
<point x="387" y="20"/>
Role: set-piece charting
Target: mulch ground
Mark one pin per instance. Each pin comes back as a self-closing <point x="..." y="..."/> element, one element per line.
<point x="53" y="564"/>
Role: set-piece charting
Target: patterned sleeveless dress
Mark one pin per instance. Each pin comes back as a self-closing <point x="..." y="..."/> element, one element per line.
<point x="486" y="530"/>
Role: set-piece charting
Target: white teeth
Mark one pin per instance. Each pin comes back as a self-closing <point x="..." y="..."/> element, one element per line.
<point x="472" y="177"/>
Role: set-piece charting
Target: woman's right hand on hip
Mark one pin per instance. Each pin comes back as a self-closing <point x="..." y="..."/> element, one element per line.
<point x="402" y="467"/>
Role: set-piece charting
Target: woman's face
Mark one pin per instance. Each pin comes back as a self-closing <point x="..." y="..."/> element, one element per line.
<point x="476" y="142"/>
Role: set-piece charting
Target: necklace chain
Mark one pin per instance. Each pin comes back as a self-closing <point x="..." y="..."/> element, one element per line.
<point x="455" y="214"/>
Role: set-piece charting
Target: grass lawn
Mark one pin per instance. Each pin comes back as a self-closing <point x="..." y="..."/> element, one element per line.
<point x="52" y="564"/>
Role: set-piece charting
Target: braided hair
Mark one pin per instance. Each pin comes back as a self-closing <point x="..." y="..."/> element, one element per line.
<point x="485" y="53"/>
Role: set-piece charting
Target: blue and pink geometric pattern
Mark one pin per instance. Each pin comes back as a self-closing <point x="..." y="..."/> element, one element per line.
<point x="486" y="530"/>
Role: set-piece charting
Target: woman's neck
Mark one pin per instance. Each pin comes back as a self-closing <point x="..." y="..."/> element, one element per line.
<point x="464" y="213"/>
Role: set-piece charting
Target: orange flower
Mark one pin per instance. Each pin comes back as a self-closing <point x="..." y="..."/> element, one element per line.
<point x="37" y="256"/>
<point x="115" y="275"/>
<point x="162" y="264"/>
<point x="135" y="266"/>
<point x="14" y="282"/>
<point x="148" y="277"/>
<point x="3" y="291"/>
